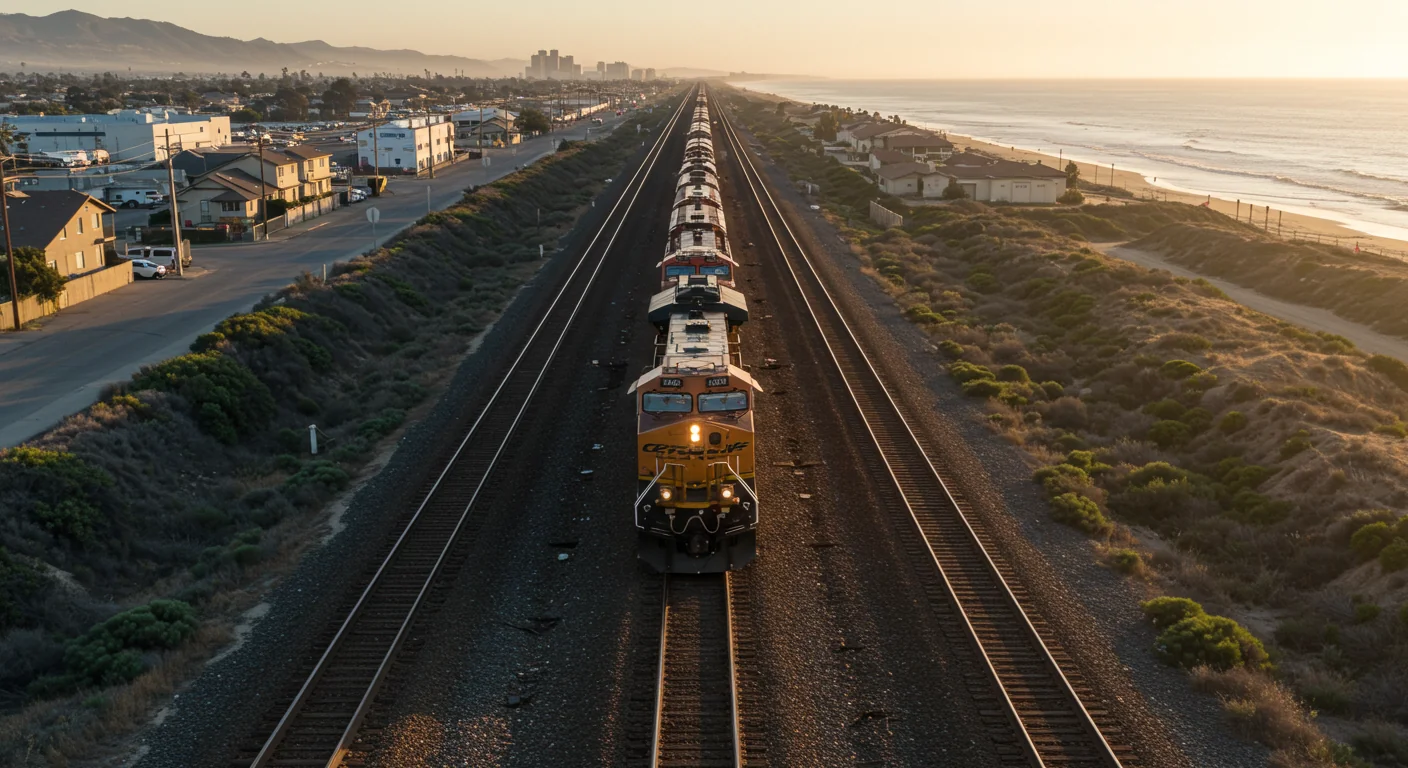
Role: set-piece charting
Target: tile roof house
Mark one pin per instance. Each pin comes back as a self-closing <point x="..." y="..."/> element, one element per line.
<point x="74" y="229"/>
<point x="991" y="180"/>
<point x="881" y="157"/>
<point x="907" y="179"/>
<point x="920" y="145"/>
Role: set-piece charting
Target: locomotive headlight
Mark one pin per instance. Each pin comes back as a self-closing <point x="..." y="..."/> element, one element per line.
<point x="694" y="433"/>
<point x="666" y="493"/>
<point x="726" y="492"/>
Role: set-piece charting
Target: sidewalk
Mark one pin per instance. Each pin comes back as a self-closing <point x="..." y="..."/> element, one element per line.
<point x="62" y="367"/>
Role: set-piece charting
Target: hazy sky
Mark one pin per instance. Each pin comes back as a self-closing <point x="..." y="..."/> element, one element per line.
<point x="895" y="38"/>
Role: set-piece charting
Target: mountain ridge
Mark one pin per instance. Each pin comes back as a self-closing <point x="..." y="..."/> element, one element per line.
<point x="74" y="41"/>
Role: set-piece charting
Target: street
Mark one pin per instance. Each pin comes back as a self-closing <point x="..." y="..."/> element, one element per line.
<point x="62" y="367"/>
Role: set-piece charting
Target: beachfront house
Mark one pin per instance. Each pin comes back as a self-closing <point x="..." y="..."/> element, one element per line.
<point x="990" y="180"/>
<point x="883" y="157"/>
<point x="907" y="179"/>
<point x="920" y="147"/>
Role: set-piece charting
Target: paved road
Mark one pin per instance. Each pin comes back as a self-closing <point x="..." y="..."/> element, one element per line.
<point x="61" y="368"/>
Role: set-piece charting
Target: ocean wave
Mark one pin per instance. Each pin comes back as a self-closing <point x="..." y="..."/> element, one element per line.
<point x="1395" y="200"/>
<point x="1095" y="125"/>
<point x="1374" y="176"/>
<point x="1189" y="145"/>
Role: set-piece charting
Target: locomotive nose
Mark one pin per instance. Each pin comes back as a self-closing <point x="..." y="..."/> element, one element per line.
<point x="698" y="544"/>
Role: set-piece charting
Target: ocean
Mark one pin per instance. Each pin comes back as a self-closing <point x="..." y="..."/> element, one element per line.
<point x="1337" y="149"/>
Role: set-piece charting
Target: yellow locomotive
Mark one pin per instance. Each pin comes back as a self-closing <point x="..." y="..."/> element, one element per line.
<point x="697" y="508"/>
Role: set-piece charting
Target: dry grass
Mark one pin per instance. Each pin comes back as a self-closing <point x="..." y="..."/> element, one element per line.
<point x="1266" y="711"/>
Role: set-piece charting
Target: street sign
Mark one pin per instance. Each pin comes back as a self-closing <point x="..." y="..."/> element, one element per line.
<point x="373" y="215"/>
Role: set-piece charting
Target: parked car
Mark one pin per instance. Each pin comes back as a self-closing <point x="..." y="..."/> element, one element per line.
<point x="119" y="197"/>
<point x="147" y="270"/>
<point x="164" y="255"/>
<point x="357" y="194"/>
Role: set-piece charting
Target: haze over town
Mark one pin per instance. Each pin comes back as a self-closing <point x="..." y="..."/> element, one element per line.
<point x="901" y="39"/>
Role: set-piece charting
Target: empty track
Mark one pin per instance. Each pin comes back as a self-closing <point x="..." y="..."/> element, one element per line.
<point x="320" y="724"/>
<point x="1053" y="717"/>
<point x="696" y="694"/>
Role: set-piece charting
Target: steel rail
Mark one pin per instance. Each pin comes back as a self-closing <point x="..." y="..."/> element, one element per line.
<point x="1104" y="753"/>
<point x="266" y="755"/>
<point x="662" y="683"/>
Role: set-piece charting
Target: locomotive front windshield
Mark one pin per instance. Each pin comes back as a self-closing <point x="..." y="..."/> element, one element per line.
<point x="677" y="271"/>
<point x="714" y="402"/>
<point x="667" y="402"/>
<point x="721" y="271"/>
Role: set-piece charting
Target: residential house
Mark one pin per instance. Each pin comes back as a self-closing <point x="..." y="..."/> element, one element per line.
<point x="919" y="146"/>
<point x="367" y="108"/>
<point x="280" y="175"/>
<point x="863" y="140"/>
<point x="315" y="172"/>
<point x="219" y="99"/>
<point x="882" y="157"/>
<point x="990" y="180"/>
<point x="907" y="179"/>
<point x="229" y="197"/>
<point x="491" y="123"/>
<point x="846" y="131"/>
<point x="73" y="229"/>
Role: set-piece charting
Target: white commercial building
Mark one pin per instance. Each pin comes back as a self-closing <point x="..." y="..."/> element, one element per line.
<point x="408" y="145"/>
<point x="126" y="135"/>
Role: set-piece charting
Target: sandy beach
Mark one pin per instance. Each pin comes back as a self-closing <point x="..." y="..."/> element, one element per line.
<point x="1283" y="222"/>
<point x="1146" y="188"/>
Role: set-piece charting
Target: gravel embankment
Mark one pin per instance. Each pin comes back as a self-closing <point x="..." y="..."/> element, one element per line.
<point x="218" y="713"/>
<point x="1094" y="611"/>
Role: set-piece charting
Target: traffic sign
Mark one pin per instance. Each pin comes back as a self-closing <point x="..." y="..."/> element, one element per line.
<point x="373" y="215"/>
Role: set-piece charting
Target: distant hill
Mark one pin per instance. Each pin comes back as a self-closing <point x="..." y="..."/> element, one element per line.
<point x="75" y="41"/>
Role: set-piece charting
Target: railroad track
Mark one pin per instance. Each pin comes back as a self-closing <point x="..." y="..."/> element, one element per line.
<point x="696" y="692"/>
<point x="321" y="722"/>
<point x="1054" y="716"/>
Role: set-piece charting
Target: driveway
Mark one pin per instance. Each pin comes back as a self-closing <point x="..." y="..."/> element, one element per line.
<point x="62" y="367"/>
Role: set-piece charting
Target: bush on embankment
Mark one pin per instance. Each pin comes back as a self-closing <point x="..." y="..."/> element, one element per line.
<point x="1248" y="452"/>
<point x="184" y="479"/>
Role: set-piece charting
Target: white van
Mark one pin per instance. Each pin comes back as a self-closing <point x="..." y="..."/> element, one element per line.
<point x="163" y="255"/>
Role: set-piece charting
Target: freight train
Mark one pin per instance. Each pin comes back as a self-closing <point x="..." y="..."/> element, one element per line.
<point x="697" y="508"/>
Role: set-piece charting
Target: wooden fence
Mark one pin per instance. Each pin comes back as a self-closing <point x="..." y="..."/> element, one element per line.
<point x="76" y="291"/>
<point x="884" y="216"/>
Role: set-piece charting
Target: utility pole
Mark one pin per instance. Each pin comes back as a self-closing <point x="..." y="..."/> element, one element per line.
<point x="9" y="247"/>
<point x="263" y="191"/>
<point x="175" y="210"/>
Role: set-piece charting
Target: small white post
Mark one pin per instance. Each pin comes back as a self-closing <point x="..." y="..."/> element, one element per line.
<point x="313" y="439"/>
<point x="427" y="198"/>
<point x="325" y="273"/>
<point x="540" y="250"/>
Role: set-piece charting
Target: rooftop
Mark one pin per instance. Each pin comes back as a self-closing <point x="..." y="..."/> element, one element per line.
<point x="37" y="217"/>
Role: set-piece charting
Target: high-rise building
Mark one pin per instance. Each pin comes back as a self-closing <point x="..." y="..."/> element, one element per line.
<point x="618" y="70"/>
<point x="601" y="70"/>
<point x="649" y="73"/>
<point x="637" y="74"/>
<point x="553" y="64"/>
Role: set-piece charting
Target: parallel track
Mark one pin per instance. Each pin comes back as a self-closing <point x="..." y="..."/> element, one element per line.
<point x="696" y="699"/>
<point x="1055" y="716"/>
<point x="321" y="723"/>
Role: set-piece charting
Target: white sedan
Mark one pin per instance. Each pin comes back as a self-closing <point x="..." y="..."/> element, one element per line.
<point x="148" y="270"/>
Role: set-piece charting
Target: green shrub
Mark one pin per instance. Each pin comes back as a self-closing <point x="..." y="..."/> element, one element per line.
<point x="1179" y="369"/>
<point x="1086" y="461"/>
<point x="1307" y="635"/>
<point x="1391" y="367"/>
<point x="1397" y="429"/>
<point x="964" y="371"/>
<point x="227" y="398"/>
<point x="1296" y="444"/>
<point x="1366" y="612"/>
<point x="19" y="583"/>
<point x="1213" y="641"/>
<point x="1156" y="470"/>
<point x="111" y="652"/>
<point x="1061" y="478"/>
<point x="1053" y="389"/>
<point x="951" y="348"/>
<point x="75" y="519"/>
<point x="1170" y="434"/>
<point x="1197" y="419"/>
<point x="1394" y="557"/>
<point x="1167" y="611"/>
<point x="1251" y="507"/>
<point x="1080" y="512"/>
<point x="1013" y="373"/>
<point x="1165" y="409"/>
<point x="1370" y="540"/>
<point x="1403" y="614"/>
<point x="384" y="424"/>
<point x="1232" y="422"/>
<point x="1071" y="196"/>
<point x="324" y="473"/>
<point x="982" y="388"/>
<point x="1127" y="561"/>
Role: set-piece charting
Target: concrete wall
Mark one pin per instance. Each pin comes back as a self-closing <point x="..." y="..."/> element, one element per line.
<point x="76" y="291"/>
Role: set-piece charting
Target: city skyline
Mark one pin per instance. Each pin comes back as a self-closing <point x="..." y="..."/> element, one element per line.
<point x="1078" y="39"/>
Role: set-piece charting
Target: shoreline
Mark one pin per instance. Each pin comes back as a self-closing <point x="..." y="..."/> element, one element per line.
<point x="1143" y="188"/>
<point x="1308" y="227"/>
